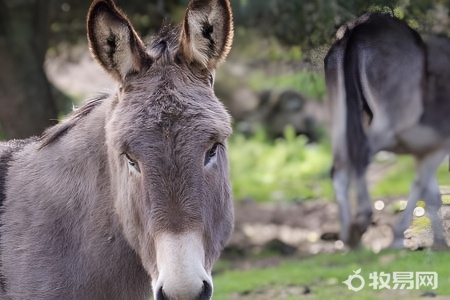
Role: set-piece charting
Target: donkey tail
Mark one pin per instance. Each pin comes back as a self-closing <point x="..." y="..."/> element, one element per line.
<point x="357" y="107"/>
<point x="350" y="143"/>
<point x="356" y="104"/>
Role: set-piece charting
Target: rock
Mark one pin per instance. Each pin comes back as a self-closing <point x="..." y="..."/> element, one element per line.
<point x="278" y="246"/>
<point x="329" y="236"/>
<point x="306" y="290"/>
<point x="429" y="294"/>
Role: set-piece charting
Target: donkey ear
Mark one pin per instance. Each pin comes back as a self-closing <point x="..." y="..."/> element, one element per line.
<point x="113" y="41"/>
<point x="207" y="32"/>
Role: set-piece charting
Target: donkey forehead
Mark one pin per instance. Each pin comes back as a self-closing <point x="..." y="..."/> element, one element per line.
<point x="165" y="115"/>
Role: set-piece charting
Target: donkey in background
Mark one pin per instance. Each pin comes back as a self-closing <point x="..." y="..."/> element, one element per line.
<point x="131" y="193"/>
<point x="388" y="91"/>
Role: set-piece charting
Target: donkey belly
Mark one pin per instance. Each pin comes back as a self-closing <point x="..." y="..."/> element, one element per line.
<point x="421" y="139"/>
<point x="416" y="138"/>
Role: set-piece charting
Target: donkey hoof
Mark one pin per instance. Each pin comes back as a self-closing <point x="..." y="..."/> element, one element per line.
<point x="356" y="232"/>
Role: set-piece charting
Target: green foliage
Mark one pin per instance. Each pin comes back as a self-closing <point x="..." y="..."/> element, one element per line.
<point x="278" y="53"/>
<point x="68" y="19"/>
<point x="280" y="170"/>
<point x="311" y="23"/>
<point x="307" y="83"/>
<point x="324" y="274"/>
<point x="290" y="169"/>
<point x="250" y="44"/>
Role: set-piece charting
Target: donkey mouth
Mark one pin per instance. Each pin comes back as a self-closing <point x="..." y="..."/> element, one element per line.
<point x="205" y="294"/>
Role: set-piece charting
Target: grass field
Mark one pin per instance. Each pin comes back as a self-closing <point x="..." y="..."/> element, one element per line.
<point x="321" y="276"/>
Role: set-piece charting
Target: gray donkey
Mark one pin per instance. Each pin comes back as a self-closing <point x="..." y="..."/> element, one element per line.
<point x="389" y="91"/>
<point x="131" y="193"/>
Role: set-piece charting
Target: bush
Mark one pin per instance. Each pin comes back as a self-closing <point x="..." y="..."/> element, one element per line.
<point x="310" y="84"/>
<point x="290" y="169"/>
<point x="280" y="170"/>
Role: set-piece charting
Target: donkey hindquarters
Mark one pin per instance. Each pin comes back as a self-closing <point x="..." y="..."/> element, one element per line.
<point x="377" y="81"/>
<point x="131" y="193"/>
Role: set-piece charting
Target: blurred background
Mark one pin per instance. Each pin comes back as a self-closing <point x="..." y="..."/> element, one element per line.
<point x="280" y="153"/>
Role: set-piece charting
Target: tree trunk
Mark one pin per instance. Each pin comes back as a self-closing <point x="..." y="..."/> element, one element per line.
<point x="26" y="104"/>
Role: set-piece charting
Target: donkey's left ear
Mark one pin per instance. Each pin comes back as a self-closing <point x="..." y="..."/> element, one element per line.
<point x="113" y="41"/>
<point x="207" y="32"/>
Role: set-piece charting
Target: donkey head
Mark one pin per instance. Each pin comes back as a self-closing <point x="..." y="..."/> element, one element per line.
<point x="166" y="141"/>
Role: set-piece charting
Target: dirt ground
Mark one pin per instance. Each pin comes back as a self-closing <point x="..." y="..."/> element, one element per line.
<point x="312" y="227"/>
<point x="304" y="227"/>
<point x="308" y="227"/>
<point x="298" y="230"/>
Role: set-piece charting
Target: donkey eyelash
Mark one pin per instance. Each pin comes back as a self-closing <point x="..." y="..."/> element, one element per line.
<point x="212" y="153"/>
<point x="131" y="162"/>
<point x="211" y="79"/>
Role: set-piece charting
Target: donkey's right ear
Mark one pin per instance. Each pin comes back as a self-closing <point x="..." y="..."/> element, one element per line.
<point x="207" y="32"/>
<point x="113" y="41"/>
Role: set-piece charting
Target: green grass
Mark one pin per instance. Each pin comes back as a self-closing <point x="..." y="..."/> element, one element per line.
<point x="280" y="170"/>
<point x="399" y="179"/>
<point x="324" y="275"/>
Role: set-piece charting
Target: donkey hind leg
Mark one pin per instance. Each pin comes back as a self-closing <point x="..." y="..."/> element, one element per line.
<point x="433" y="199"/>
<point x="341" y="183"/>
<point x="425" y="186"/>
<point x="364" y="212"/>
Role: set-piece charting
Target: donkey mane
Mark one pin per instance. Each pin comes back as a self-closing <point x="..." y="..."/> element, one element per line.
<point x="165" y="42"/>
<point x="52" y="134"/>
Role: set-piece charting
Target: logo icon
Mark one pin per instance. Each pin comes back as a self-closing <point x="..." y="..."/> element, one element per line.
<point x="357" y="277"/>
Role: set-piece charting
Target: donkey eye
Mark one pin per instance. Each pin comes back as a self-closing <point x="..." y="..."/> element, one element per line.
<point x="211" y="153"/>
<point x="132" y="163"/>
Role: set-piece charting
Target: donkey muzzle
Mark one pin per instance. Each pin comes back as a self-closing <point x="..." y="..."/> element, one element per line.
<point x="180" y="261"/>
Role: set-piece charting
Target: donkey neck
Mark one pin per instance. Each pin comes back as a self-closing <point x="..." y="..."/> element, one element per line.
<point x="59" y="198"/>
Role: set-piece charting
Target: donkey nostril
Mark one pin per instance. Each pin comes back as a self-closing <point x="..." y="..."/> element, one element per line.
<point x="160" y="295"/>
<point x="206" y="292"/>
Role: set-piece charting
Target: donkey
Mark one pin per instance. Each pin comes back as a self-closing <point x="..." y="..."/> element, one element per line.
<point x="131" y="193"/>
<point x="388" y="91"/>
